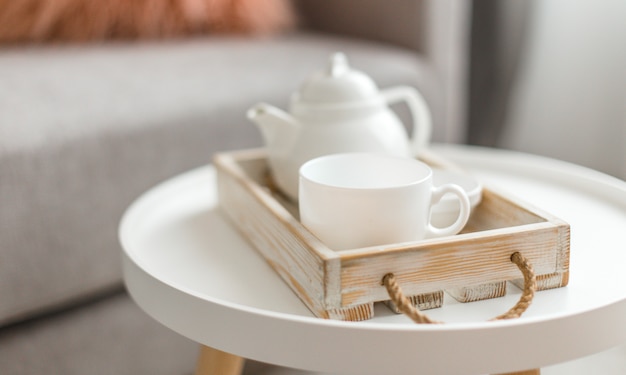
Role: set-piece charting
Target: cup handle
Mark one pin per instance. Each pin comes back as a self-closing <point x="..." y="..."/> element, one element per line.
<point x="464" y="212"/>
<point x="422" y="119"/>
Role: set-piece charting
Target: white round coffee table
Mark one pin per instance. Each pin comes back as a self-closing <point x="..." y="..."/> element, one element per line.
<point x="188" y="268"/>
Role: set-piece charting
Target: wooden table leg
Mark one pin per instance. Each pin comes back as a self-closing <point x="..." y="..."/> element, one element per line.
<point x="527" y="372"/>
<point x="214" y="362"/>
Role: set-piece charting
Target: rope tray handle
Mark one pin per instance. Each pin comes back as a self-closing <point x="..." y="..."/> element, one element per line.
<point x="405" y="306"/>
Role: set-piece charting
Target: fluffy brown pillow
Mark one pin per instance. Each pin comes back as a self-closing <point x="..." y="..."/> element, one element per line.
<point x="89" y="20"/>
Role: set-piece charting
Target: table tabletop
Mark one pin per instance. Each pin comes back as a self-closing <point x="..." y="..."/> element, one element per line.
<point x="187" y="266"/>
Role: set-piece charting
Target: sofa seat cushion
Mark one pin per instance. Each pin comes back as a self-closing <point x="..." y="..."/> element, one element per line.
<point x="85" y="129"/>
<point x="109" y="336"/>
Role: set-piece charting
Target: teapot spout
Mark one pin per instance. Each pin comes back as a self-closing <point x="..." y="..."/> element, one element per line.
<point x="277" y="126"/>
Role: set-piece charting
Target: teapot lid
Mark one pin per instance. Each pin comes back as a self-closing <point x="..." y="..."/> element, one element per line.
<point x="337" y="83"/>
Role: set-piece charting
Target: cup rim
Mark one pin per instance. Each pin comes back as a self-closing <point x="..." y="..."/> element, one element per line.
<point x="425" y="170"/>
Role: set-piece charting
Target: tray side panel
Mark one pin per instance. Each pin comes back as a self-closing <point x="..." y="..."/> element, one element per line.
<point x="269" y="230"/>
<point x="464" y="260"/>
<point x="560" y="277"/>
<point x="498" y="211"/>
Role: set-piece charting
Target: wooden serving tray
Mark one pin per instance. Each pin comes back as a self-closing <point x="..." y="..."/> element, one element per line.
<point x="343" y="285"/>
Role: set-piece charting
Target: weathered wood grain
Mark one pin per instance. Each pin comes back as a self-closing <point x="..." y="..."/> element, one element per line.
<point x="279" y="237"/>
<point x="472" y="265"/>
<point x="425" y="301"/>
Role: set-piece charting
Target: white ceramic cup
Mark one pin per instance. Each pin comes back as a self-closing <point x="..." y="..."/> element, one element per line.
<point x="355" y="200"/>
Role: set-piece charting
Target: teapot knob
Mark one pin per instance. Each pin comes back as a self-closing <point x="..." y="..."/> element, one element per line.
<point x="337" y="83"/>
<point x="338" y="65"/>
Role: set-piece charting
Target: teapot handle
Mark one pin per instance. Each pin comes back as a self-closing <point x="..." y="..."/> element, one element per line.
<point x="422" y="120"/>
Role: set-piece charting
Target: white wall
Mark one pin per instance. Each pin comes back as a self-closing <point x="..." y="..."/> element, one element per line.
<point x="569" y="101"/>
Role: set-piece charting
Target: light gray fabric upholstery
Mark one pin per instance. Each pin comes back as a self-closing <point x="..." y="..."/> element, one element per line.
<point x="84" y="130"/>
<point x="108" y="336"/>
<point x="111" y="336"/>
<point x="396" y="22"/>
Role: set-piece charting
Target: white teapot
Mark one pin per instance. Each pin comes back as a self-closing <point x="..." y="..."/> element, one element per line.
<point x="338" y="110"/>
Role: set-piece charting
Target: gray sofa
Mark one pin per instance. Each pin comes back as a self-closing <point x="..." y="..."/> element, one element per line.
<point x="84" y="130"/>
